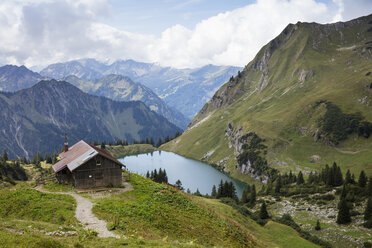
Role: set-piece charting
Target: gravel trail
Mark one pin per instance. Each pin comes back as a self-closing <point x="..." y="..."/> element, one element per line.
<point x="84" y="212"/>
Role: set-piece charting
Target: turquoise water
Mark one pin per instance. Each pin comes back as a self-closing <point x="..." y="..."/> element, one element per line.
<point x="193" y="174"/>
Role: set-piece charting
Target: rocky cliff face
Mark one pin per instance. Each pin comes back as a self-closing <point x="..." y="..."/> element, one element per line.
<point x="35" y="119"/>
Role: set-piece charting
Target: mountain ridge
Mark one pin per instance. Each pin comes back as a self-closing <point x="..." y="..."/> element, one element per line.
<point x="122" y="88"/>
<point x="35" y="119"/>
<point x="276" y="97"/>
<point x="185" y="90"/>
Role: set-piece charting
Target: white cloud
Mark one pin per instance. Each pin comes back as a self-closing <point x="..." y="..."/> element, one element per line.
<point x="43" y="32"/>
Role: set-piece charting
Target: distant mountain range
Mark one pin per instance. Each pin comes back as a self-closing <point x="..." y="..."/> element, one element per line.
<point x="14" y="78"/>
<point x="186" y="90"/>
<point x="35" y="119"/>
<point x="121" y="88"/>
<point x="116" y="87"/>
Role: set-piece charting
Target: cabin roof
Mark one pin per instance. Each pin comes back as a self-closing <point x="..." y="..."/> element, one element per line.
<point x="78" y="154"/>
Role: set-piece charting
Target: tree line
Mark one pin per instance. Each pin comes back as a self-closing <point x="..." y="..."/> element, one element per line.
<point x="124" y="142"/>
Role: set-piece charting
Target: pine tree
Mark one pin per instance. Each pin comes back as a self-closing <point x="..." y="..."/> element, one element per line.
<point x="5" y="155"/>
<point x="197" y="193"/>
<point x="348" y="177"/>
<point x="147" y="174"/>
<point x="160" y="142"/>
<point x="369" y="187"/>
<point x="225" y="189"/>
<point x="338" y="177"/>
<point x="244" y="198"/>
<point x="317" y="227"/>
<point x="362" y="181"/>
<point x="343" y="192"/>
<point x="263" y="211"/>
<point x="368" y="210"/>
<point x="220" y="190"/>
<point x="343" y="216"/>
<point x="232" y="191"/>
<point x="214" y="192"/>
<point x="252" y="199"/>
<point x="178" y="184"/>
<point x="300" y="178"/>
<point x="278" y="185"/>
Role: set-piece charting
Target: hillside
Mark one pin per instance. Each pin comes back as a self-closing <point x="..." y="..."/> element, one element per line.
<point x="152" y="214"/>
<point x="14" y="78"/>
<point x="307" y="95"/>
<point x="185" y="90"/>
<point x="121" y="88"/>
<point x="35" y="119"/>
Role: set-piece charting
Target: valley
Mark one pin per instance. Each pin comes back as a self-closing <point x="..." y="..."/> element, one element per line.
<point x="182" y="152"/>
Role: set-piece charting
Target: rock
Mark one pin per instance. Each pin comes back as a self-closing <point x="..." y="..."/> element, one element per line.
<point x="70" y="233"/>
<point x="314" y="158"/>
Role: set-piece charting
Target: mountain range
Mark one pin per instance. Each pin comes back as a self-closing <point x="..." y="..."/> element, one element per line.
<point x="185" y="90"/>
<point x="307" y="96"/>
<point x="14" y="78"/>
<point x="116" y="87"/>
<point x="121" y="88"/>
<point x="36" y="119"/>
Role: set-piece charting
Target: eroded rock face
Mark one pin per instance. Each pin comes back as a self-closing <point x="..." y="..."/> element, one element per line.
<point x="233" y="134"/>
<point x="236" y="140"/>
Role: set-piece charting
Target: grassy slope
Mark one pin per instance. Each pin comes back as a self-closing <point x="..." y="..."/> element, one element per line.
<point x="277" y="111"/>
<point x="159" y="212"/>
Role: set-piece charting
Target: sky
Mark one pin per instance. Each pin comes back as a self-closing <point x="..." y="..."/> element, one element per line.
<point x="181" y="34"/>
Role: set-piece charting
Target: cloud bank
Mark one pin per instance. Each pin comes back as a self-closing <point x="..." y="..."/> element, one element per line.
<point x="38" y="33"/>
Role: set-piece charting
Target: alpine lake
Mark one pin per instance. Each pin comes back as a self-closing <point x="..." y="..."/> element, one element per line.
<point x="193" y="174"/>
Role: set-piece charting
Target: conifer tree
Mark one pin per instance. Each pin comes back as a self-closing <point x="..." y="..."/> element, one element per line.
<point x="278" y="185"/>
<point x="338" y="180"/>
<point x="343" y="192"/>
<point x="214" y="192"/>
<point x="244" y="198"/>
<point x="160" y="142"/>
<point x="225" y="189"/>
<point x="252" y="199"/>
<point x="263" y="212"/>
<point x="147" y="174"/>
<point x="300" y="178"/>
<point x="220" y="190"/>
<point x="197" y="193"/>
<point x="317" y="227"/>
<point x="348" y="177"/>
<point x="343" y="216"/>
<point x="369" y="187"/>
<point x="232" y="191"/>
<point x="362" y="181"/>
<point x="179" y="184"/>
<point x="368" y="210"/>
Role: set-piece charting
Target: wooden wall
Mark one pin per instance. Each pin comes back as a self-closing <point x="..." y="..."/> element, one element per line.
<point x="98" y="172"/>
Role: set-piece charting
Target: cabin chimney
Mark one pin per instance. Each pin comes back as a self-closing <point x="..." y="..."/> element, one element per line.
<point x="66" y="144"/>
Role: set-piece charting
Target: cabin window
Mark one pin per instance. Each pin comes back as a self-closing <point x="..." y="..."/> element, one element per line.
<point x="98" y="161"/>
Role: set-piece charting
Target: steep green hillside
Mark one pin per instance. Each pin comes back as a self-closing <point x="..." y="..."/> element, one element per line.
<point x="283" y="95"/>
<point x="155" y="211"/>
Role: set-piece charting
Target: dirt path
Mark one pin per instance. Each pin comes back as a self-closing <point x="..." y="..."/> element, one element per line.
<point x="84" y="212"/>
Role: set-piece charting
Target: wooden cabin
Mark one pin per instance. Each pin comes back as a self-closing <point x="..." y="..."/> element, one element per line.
<point x="86" y="166"/>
